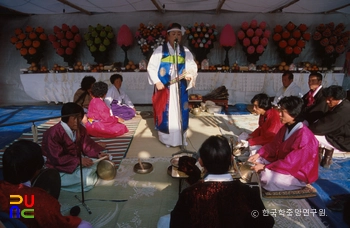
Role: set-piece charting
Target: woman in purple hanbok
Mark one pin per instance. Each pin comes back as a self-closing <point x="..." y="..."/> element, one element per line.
<point x="100" y="121"/>
<point x="117" y="100"/>
<point x="290" y="161"/>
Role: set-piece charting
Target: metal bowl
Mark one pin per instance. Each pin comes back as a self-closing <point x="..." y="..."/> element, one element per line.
<point x="147" y="168"/>
<point x="106" y="170"/>
<point x="196" y="111"/>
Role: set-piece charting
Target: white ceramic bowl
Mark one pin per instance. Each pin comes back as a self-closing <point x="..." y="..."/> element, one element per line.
<point x="214" y="109"/>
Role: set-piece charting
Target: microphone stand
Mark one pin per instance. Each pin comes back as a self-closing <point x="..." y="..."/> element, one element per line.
<point x="82" y="200"/>
<point x="182" y="147"/>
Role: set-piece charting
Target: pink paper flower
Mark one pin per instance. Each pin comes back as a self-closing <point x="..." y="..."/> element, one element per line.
<point x="251" y="50"/>
<point x="260" y="49"/>
<point x="245" y="25"/>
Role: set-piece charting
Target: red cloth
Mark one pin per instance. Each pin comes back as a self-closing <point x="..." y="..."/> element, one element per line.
<point x="159" y="100"/>
<point x="269" y="125"/>
<point x="310" y="98"/>
<point x="103" y="124"/>
<point x="297" y="156"/>
<point x="46" y="208"/>
<point x="61" y="151"/>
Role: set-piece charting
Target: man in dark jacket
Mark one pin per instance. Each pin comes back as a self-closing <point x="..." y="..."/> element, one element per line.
<point x="333" y="129"/>
<point x="315" y="105"/>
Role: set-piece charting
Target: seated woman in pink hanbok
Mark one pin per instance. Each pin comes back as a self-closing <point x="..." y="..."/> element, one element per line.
<point x="290" y="161"/>
<point x="100" y="121"/>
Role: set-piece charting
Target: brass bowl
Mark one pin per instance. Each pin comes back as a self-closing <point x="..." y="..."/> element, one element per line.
<point x="147" y="168"/>
<point x="196" y="111"/>
<point x="106" y="170"/>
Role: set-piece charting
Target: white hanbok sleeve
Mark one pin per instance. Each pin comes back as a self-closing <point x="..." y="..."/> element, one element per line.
<point x="153" y="66"/>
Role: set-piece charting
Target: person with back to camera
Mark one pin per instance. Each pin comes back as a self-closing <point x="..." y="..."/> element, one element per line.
<point x="289" y="87"/>
<point x="217" y="200"/>
<point x="117" y="100"/>
<point x="101" y="123"/>
<point x="59" y="145"/>
<point x="169" y="113"/>
<point x="290" y="161"/>
<point x="83" y="95"/>
<point x="22" y="161"/>
<point x="269" y="121"/>
<point x="315" y="105"/>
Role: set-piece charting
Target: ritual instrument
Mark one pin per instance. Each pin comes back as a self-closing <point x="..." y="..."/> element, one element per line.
<point x="49" y="180"/>
<point x="106" y="170"/>
<point x="246" y="172"/>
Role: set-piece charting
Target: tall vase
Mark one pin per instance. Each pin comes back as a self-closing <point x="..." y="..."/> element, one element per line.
<point x="227" y="62"/>
<point x="125" y="49"/>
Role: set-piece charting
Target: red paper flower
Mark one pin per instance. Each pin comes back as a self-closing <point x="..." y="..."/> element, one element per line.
<point x="330" y="42"/>
<point x="290" y="40"/>
<point x="254" y="39"/>
<point x="64" y="41"/>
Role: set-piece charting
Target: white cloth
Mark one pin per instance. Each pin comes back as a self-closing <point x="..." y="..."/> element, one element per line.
<point x="120" y="96"/>
<point x="323" y="141"/>
<point x="71" y="182"/>
<point x="174" y="136"/>
<point x="70" y="133"/>
<point x="274" y="181"/>
<point x="292" y="90"/>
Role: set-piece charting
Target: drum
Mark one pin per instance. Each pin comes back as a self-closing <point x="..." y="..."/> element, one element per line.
<point x="49" y="180"/>
<point x="106" y="170"/>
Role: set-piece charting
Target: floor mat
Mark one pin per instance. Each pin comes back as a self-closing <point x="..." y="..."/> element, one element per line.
<point x="16" y="114"/>
<point x="117" y="147"/>
<point x="332" y="181"/>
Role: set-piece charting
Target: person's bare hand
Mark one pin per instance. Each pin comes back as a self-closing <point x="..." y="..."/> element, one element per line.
<point x="101" y="155"/>
<point x="258" y="167"/>
<point x="87" y="162"/>
<point x="120" y="120"/>
<point x="253" y="158"/>
<point x="160" y="86"/>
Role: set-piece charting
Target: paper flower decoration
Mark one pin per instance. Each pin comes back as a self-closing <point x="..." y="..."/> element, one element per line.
<point x="99" y="40"/>
<point x="150" y="37"/>
<point x="290" y="40"/>
<point x="330" y="42"/>
<point x="227" y="40"/>
<point x="125" y="40"/>
<point x="30" y="43"/>
<point x="65" y="41"/>
<point x="201" y="39"/>
<point x="254" y="38"/>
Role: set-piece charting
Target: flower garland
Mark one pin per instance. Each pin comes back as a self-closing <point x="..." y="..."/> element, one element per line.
<point x="150" y="37"/>
<point x="254" y="38"/>
<point x="30" y="43"/>
<point x="290" y="40"/>
<point x="330" y="42"/>
<point x="201" y="39"/>
<point x="65" y="41"/>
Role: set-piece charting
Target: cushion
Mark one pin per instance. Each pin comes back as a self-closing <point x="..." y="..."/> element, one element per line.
<point x="306" y="192"/>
